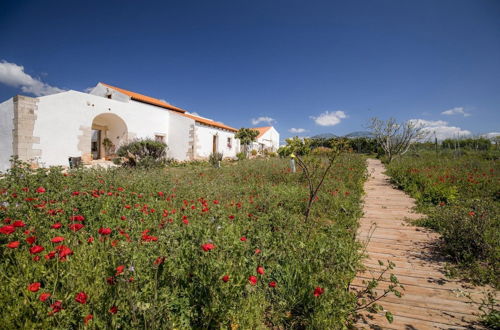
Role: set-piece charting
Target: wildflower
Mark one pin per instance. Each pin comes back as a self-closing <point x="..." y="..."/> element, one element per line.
<point x="472" y="213"/>
<point x="63" y="251"/>
<point x="257" y="251"/>
<point x="13" y="245"/>
<point x="113" y="310"/>
<point x="31" y="240"/>
<point x="318" y="291"/>
<point x="40" y="190"/>
<point x="57" y="239"/>
<point x="34" y="287"/>
<point x="36" y="249"/>
<point x="77" y="218"/>
<point x="81" y="297"/>
<point x="208" y="247"/>
<point x="56" y="307"/>
<point x="104" y="231"/>
<point x="7" y="229"/>
<point x="243" y="239"/>
<point x="225" y="278"/>
<point x="159" y="261"/>
<point x="18" y="223"/>
<point x="76" y="227"/>
<point x="87" y="318"/>
<point x="56" y="225"/>
<point x="260" y="270"/>
<point x="272" y="284"/>
<point x="119" y="269"/>
<point x="44" y="296"/>
<point x="252" y="279"/>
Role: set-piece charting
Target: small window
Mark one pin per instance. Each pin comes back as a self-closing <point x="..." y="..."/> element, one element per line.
<point x="160" y="138"/>
<point x="108" y="96"/>
<point x="229" y="142"/>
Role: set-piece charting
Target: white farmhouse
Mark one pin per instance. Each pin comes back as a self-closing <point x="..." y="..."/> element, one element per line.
<point x="268" y="139"/>
<point x="48" y="130"/>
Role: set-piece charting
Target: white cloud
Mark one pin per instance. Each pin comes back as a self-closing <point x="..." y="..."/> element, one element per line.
<point x="297" y="130"/>
<point x="491" y="135"/>
<point x="440" y="129"/>
<point x="13" y="75"/>
<point x="269" y="120"/>
<point x="456" y="111"/>
<point x="329" y="118"/>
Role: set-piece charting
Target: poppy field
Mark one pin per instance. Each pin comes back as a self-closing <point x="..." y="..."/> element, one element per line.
<point x="186" y="247"/>
<point x="460" y="194"/>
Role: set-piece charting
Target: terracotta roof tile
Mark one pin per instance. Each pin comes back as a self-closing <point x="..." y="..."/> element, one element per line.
<point x="261" y="130"/>
<point x="145" y="99"/>
<point x="210" y="122"/>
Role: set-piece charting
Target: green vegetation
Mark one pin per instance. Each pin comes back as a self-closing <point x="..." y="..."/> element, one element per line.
<point x="145" y="153"/>
<point x="461" y="197"/>
<point x="190" y="247"/>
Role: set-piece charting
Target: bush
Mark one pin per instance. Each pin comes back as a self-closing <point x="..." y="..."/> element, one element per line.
<point x="145" y="153"/>
<point x="241" y="155"/>
<point x="460" y="195"/>
<point x="254" y="152"/>
<point x="215" y="158"/>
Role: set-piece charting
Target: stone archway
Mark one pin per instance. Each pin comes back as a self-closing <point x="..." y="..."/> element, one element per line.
<point x="109" y="132"/>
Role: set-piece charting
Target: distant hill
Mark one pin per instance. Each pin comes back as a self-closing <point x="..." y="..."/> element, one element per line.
<point x="350" y="135"/>
<point x="324" y="136"/>
<point x="358" y="134"/>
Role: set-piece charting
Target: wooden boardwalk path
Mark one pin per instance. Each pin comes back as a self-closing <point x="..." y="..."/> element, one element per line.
<point x="430" y="300"/>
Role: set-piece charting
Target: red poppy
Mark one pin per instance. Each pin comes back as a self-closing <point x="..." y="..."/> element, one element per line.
<point x="13" y="245"/>
<point x="56" y="307"/>
<point x="40" y="190"/>
<point x="472" y="213"/>
<point x="34" y="287"/>
<point x="81" y="297"/>
<point x="63" y="251"/>
<point x="76" y="227"/>
<point x="123" y="217"/>
<point x="50" y="255"/>
<point x="90" y="239"/>
<point x="318" y="291"/>
<point x="120" y="269"/>
<point x="77" y="218"/>
<point x="31" y="240"/>
<point x="272" y="284"/>
<point x="159" y="260"/>
<point x="260" y="270"/>
<point x="57" y="239"/>
<point x="56" y="225"/>
<point x="36" y="249"/>
<point x="243" y="239"/>
<point x="18" y="223"/>
<point x="113" y="310"/>
<point x="252" y="279"/>
<point x="257" y="251"/>
<point x="104" y="231"/>
<point x="7" y="229"/>
<point x="87" y="318"/>
<point x="208" y="247"/>
<point x="225" y="278"/>
<point x="44" y="296"/>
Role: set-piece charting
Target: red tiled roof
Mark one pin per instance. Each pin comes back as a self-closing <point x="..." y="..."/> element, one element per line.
<point x="145" y="99"/>
<point x="210" y="122"/>
<point x="261" y="130"/>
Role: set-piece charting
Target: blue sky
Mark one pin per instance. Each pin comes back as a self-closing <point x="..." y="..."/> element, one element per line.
<point x="316" y="66"/>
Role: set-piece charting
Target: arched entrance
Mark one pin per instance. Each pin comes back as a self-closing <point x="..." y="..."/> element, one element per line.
<point x="109" y="131"/>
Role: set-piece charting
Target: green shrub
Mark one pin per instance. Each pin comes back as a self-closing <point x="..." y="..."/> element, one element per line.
<point x="241" y="155"/>
<point x="145" y="153"/>
<point x="215" y="158"/>
<point x="460" y="195"/>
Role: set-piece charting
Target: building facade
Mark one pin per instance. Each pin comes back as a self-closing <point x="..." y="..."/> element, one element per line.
<point x="48" y="130"/>
<point x="268" y="139"/>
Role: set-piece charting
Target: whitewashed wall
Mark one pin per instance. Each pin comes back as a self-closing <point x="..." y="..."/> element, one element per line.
<point x="204" y="138"/>
<point x="61" y="117"/>
<point x="6" y="127"/>
<point x="178" y="136"/>
<point x="271" y="139"/>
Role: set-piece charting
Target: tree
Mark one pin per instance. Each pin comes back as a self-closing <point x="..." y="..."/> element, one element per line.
<point x="395" y="138"/>
<point x="246" y="136"/>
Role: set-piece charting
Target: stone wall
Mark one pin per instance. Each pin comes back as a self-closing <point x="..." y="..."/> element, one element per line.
<point x="25" y="114"/>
